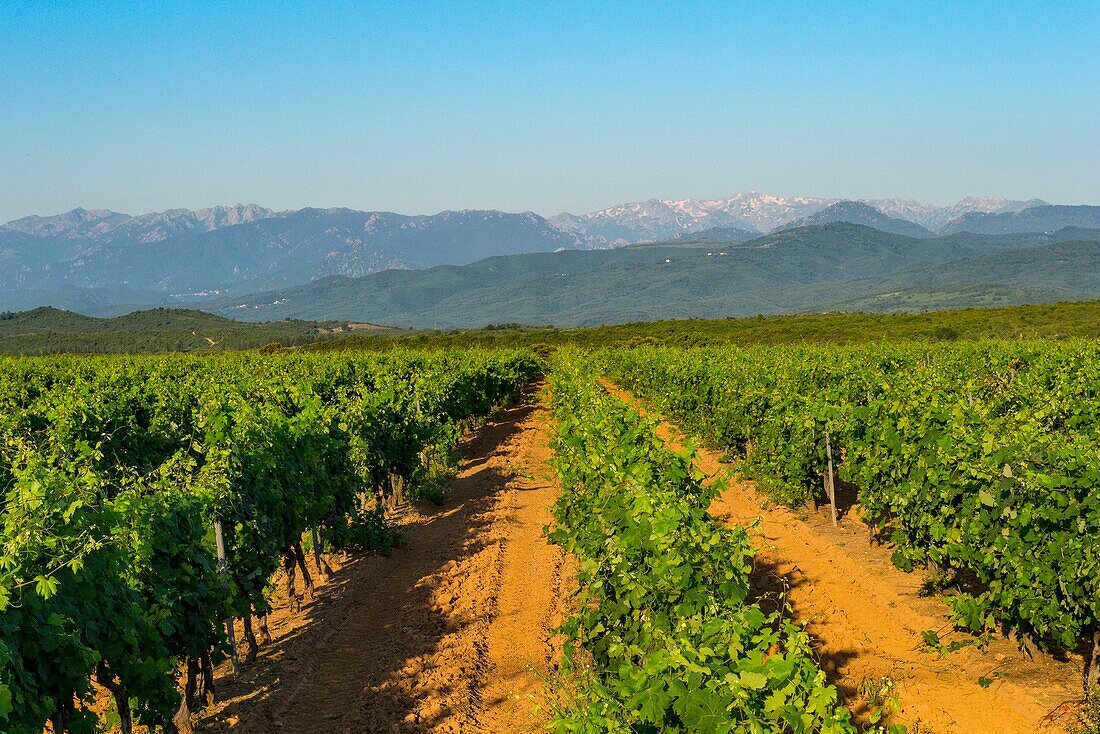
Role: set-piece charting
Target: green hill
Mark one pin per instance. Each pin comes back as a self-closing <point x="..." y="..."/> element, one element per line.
<point x="49" y="330"/>
<point x="1046" y="321"/>
<point x="810" y="268"/>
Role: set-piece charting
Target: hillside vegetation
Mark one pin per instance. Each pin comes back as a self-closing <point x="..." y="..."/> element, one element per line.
<point x="807" y="269"/>
<point x="50" y="330"/>
<point x="1049" y="321"/>
<point x="102" y="262"/>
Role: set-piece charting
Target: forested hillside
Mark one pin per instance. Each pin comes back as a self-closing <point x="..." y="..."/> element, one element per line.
<point x="813" y="268"/>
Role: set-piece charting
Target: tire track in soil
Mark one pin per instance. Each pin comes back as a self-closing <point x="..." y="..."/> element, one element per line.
<point x="867" y="618"/>
<point x="449" y="634"/>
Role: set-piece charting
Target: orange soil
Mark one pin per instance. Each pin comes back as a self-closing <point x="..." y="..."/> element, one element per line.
<point x="449" y="634"/>
<point x="867" y="619"/>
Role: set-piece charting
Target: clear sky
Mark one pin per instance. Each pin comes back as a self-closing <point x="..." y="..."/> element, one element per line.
<point x="418" y="107"/>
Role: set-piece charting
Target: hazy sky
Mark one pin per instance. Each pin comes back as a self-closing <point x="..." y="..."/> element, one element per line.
<point x="558" y="107"/>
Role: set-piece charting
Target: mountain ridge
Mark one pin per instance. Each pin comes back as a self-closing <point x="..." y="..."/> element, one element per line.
<point x="657" y="219"/>
<point x="104" y="262"/>
<point x="790" y="270"/>
<point x="858" y="212"/>
<point x="217" y="253"/>
<point x="1042" y="218"/>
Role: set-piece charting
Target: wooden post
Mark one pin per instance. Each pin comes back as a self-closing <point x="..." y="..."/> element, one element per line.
<point x="1092" y="678"/>
<point x="316" y="535"/>
<point x="220" y="539"/>
<point x="830" y="486"/>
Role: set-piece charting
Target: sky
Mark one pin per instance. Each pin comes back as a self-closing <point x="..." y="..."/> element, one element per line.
<point x="420" y="107"/>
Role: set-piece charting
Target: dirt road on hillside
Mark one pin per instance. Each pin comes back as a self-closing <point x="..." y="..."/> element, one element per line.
<point x="868" y="619"/>
<point x="449" y="634"/>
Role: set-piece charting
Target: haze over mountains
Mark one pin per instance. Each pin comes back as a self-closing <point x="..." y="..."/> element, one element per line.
<point x="660" y="219"/>
<point x="89" y="260"/>
<point x="834" y="266"/>
<point x="102" y="262"/>
<point x="858" y="212"/>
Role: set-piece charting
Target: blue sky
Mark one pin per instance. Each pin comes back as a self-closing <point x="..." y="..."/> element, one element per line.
<point x="548" y="107"/>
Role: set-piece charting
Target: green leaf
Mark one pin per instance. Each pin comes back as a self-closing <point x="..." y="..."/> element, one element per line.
<point x="45" y="586"/>
<point x="753" y="681"/>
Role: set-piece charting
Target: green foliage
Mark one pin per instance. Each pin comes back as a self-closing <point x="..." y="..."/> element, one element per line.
<point x="113" y="471"/>
<point x="981" y="458"/>
<point x="664" y="638"/>
<point x="880" y="694"/>
<point x="828" y="267"/>
<point x="1054" y="321"/>
<point x="367" y="530"/>
<point x="1089" y="717"/>
<point x="51" y="331"/>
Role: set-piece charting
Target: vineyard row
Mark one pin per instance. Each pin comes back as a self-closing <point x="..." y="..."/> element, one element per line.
<point x="979" y="460"/>
<point x="665" y="636"/>
<point x="121" y="477"/>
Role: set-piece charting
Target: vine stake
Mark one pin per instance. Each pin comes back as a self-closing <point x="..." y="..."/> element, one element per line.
<point x="220" y="539"/>
<point x="317" y="550"/>
<point x="1092" y="679"/>
<point x="830" y="487"/>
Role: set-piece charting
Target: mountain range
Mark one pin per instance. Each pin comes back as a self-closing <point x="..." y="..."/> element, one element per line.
<point x="103" y="257"/>
<point x="102" y="262"/>
<point x="662" y="219"/>
<point x="858" y="212"/>
<point x="822" y="267"/>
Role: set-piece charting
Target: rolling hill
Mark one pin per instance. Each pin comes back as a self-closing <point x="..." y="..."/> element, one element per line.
<point x="47" y="331"/>
<point x="50" y="330"/>
<point x="804" y="269"/>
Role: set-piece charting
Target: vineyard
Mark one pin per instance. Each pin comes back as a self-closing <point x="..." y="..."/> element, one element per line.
<point x="149" y="500"/>
<point x="158" y="510"/>
<point x="670" y="640"/>
<point x="979" y="460"/>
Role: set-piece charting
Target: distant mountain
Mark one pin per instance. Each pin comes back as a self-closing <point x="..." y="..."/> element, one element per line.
<point x="107" y="226"/>
<point x="662" y="219"/>
<point x="103" y="262"/>
<point x="807" y="268"/>
<point x="90" y="301"/>
<point x="77" y="223"/>
<point x="858" y="212"/>
<point x="717" y="235"/>
<point x="187" y="255"/>
<point x="1044" y="218"/>
<point x="933" y="217"/>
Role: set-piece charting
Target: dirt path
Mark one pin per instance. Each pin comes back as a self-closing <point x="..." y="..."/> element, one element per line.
<point x="868" y="618"/>
<point x="449" y="634"/>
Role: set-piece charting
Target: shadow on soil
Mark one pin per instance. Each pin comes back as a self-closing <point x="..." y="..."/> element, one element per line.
<point x="337" y="671"/>
<point x="768" y="588"/>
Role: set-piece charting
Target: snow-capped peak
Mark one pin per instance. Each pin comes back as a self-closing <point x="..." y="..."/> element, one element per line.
<point x="656" y="219"/>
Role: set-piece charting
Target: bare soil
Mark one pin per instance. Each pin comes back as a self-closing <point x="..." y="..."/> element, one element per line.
<point x="449" y="634"/>
<point x="868" y="618"/>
